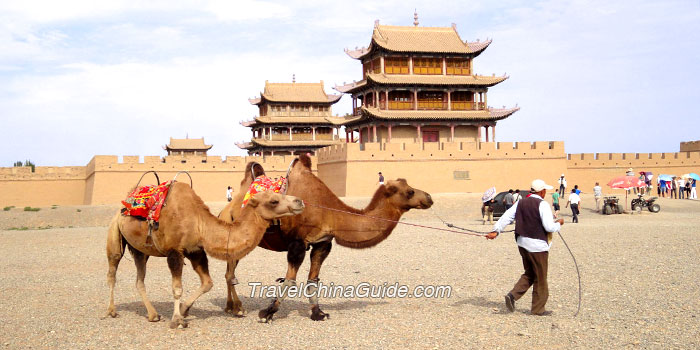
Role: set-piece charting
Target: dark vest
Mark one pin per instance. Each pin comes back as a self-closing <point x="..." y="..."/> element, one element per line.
<point x="528" y="222"/>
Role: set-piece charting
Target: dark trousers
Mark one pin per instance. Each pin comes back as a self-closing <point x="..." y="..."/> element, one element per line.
<point x="681" y="192"/>
<point x="561" y="190"/>
<point x="673" y="193"/>
<point x="574" y="211"/>
<point x="535" y="275"/>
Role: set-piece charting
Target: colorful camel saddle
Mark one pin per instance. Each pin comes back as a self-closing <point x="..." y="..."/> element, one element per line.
<point x="146" y="201"/>
<point x="263" y="183"/>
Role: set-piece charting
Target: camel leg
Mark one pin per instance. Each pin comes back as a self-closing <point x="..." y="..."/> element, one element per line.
<point x="200" y="265"/>
<point x="140" y="260"/>
<point x="175" y="263"/>
<point x="233" y="304"/>
<point x="115" y="251"/>
<point x="319" y="252"/>
<point x="295" y="256"/>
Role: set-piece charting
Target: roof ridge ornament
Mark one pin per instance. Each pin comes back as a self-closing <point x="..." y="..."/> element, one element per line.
<point x="415" y="17"/>
<point x="294" y="78"/>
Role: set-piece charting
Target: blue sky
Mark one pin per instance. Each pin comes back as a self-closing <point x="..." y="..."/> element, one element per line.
<point x="81" y="77"/>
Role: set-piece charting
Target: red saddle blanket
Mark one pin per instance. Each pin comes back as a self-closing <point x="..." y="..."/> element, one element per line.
<point x="263" y="183"/>
<point x="146" y="201"/>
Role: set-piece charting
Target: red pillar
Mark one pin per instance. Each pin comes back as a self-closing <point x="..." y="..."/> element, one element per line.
<point x="389" y="140"/>
<point x="486" y="130"/>
<point x="420" y="139"/>
<point x="374" y="129"/>
<point x="452" y="133"/>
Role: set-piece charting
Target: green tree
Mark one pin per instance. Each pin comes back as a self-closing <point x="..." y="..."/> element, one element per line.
<point x="18" y="163"/>
<point x="29" y="163"/>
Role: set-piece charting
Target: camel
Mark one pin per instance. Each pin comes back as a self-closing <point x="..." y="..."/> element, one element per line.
<point x="188" y="230"/>
<point x="318" y="227"/>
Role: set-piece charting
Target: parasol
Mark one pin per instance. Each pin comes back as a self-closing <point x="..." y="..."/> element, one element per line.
<point x="666" y="177"/>
<point x="694" y="176"/>
<point x="626" y="182"/>
<point x="489" y="194"/>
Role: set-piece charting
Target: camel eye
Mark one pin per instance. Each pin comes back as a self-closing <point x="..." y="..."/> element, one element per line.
<point x="274" y="202"/>
<point x="410" y="193"/>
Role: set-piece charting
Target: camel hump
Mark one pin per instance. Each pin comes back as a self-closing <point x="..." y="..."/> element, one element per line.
<point x="254" y="169"/>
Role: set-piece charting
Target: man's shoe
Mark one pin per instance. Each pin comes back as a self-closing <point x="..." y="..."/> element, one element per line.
<point x="544" y="313"/>
<point x="510" y="302"/>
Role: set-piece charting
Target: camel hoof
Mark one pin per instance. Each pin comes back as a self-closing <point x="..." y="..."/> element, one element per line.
<point x="112" y="313"/>
<point x="318" y="315"/>
<point x="153" y="318"/>
<point x="266" y="315"/>
<point x="236" y="309"/>
<point x="178" y="323"/>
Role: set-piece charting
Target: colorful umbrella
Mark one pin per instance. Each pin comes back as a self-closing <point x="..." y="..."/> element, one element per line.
<point x="666" y="177"/>
<point x="626" y="182"/>
<point x="646" y="173"/>
<point x="489" y="194"/>
<point x="694" y="176"/>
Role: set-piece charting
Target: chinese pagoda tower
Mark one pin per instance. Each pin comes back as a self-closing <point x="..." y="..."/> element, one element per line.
<point x="418" y="85"/>
<point x="294" y="118"/>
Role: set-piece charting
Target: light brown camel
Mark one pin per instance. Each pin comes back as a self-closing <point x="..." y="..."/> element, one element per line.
<point x="187" y="230"/>
<point x="317" y="227"/>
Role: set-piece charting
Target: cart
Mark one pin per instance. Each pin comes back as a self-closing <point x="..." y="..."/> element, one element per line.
<point x="611" y="205"/>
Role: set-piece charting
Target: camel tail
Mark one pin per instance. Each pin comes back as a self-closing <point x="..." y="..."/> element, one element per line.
<point x="115" y="240"/>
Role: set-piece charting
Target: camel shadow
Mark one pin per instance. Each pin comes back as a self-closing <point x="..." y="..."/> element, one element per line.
<point x="485" y="303"/>
<point x="137" y="308"/>
<point x="253" y="305"/>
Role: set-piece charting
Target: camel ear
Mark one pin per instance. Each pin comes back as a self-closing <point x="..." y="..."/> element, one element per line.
<point x="253" y="202"/>
<point x="391" y="190"/>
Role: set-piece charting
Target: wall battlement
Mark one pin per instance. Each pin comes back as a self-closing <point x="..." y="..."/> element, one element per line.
<point x="441" y="150"/>
<point x="690" y="146"/>
<point x="597" y="160"/>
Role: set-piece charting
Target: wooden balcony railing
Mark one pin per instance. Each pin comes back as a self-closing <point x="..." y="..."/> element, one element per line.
<point x="299" y="137"/>
<point x="467" y="106"/>
<point x="401" y="105"/>
<point x="431" y="105"/>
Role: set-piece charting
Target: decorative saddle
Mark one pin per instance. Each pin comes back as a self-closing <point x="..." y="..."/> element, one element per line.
<point x="263" y="183"/>
<point x="146" y="202"/>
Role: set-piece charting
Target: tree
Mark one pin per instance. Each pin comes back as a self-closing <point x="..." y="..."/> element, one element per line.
<point x="18" y="163"/>
<point x="29" y="163"/>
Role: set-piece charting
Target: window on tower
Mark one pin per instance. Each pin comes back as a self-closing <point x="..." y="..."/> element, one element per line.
<point x="427" y="65"/>
<point x="396" y="65"/>
<point x="458" y="66"/>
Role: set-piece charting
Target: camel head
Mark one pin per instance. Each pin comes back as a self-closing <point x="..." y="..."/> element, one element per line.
<point x="270" y="205"/>
<point x="405" y="197"/>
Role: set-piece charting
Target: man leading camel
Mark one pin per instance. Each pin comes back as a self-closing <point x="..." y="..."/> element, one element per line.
<point x="534" y="225"/>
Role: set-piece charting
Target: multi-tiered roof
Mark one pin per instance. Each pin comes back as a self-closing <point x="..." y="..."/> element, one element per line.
<point x="302" y="110"/>
<point x="416" y="43"/>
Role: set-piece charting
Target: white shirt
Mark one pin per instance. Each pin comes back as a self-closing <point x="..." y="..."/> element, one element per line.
<point x="562" y="181"/>
<point x="530" y="244"/>
<point x="516" y="197"/>
<point x="228" y="193"/>
<point x="597" y="191"/>
<point x="574" y="198"/>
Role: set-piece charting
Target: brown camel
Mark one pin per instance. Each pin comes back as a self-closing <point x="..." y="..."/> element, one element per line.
<point x="317" y="227"/>
<point x="188" y="230"/>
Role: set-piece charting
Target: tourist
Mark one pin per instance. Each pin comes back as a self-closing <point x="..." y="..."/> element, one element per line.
<point x="508" y="199"/>
<point x="681" y="187"/>
<point x="598" y="194"/>
<point x="643" y="179"/>
<point x="693" y="192"/>
<point x="687" y="188"/>
<point x="562" y="185"/>
<point x="630" y="172"/>
<point x="555" y="203"/>
<point x="487" y="211"/>
<point x="229" y="194"/>
<point x="533" y="234"/>
<point x="578" y="192"/>
<point x="674" y="192"/>
<point x="662" y="187"/>
<point x="516" y="196"/>
<point x="381" y="179"/>
<point x="574" y="200"/>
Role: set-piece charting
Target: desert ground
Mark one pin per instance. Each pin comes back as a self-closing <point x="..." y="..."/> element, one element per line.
<point x="639" y="275"/>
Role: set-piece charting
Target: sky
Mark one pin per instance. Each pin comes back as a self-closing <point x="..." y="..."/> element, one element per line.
<point x="80" y="78"/>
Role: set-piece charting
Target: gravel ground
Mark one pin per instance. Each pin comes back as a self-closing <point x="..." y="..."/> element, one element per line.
<point x="639" y="275"/>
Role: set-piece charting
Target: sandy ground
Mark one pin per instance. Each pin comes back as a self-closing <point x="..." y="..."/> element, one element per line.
<point x="640" y="287"/>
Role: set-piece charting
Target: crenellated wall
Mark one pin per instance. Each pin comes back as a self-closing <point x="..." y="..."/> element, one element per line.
<point x="585" y="169"/>
<point x="107" y="179"/>
<point x="349" y="169"/>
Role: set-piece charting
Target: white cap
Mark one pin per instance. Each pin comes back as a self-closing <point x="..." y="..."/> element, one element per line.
<point x="562" y="175"/>
<point x="539" y="185"/>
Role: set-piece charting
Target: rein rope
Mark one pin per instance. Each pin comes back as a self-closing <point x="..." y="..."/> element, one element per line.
<point x="470" y="232"/>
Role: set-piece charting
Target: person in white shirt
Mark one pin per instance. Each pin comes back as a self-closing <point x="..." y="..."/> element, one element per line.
<point x="516" y="196"/>
<point x="562" y="185"/>
<point x="533" y="234"/>
<point x="681" y="187"/>
<point x="598" y="194"/>
<point x="574" y="200"/>
<point x="229" y="194"/>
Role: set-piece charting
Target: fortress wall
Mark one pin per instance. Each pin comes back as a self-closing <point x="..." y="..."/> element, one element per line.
<point x="444" y="167"/>
<point x="106" y="180"/>
<point x="690" y="146"/>
<point x="587" y="168"/>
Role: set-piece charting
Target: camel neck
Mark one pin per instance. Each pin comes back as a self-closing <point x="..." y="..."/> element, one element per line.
<point x="226" y="241"/>
<point x="369" y="229"/>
